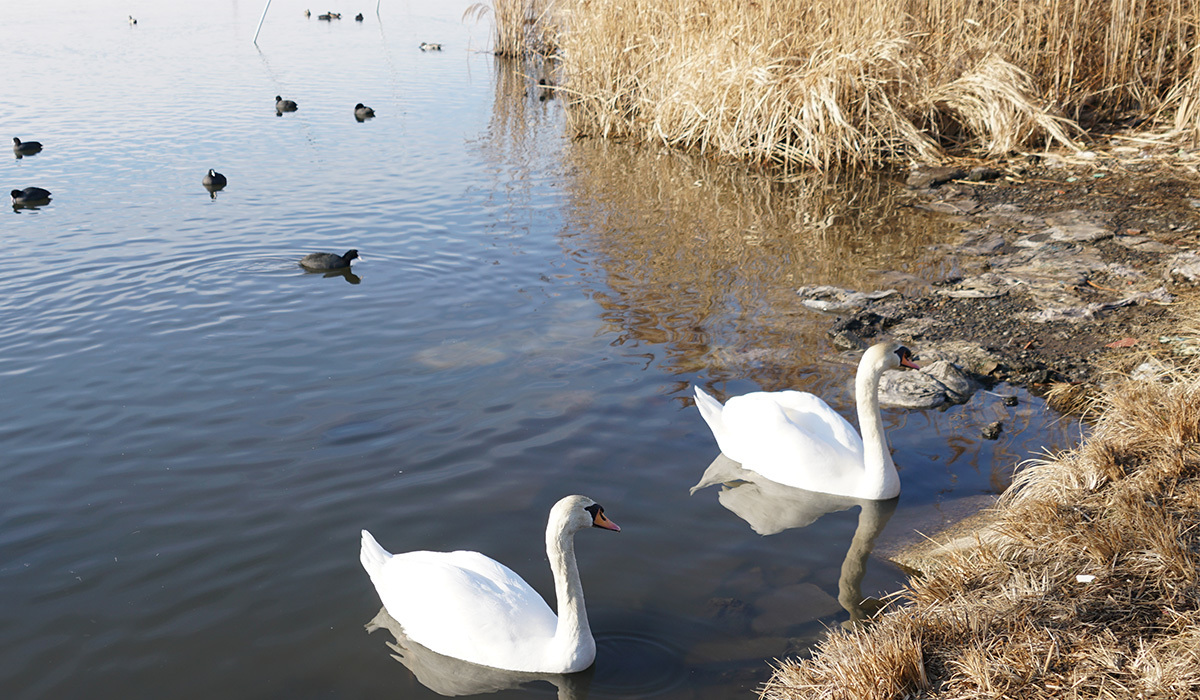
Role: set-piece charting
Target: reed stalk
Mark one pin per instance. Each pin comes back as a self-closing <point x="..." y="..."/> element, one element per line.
<point x="824" y="82"/>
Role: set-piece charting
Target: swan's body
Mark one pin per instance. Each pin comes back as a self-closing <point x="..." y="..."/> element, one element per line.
<point x="796" y="439"/>
<point x="470" y="607"/>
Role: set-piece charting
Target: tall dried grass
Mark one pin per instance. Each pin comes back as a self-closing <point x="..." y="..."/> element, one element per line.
<point x="1010" y="618"/>
<point x="520" y="27"/>
<point x="819" y="82"/>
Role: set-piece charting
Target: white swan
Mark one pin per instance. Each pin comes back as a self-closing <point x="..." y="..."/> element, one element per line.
<point x="796" y="439"/>
<point x="471" y="607"/>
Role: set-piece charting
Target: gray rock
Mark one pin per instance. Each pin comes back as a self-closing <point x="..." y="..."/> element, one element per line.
<point x="924" y="177"/>
<point x="1145" y="244"/>
<point x="837" y="300"/>
<point x="982" y="244"/>
<point x="912" y="328"/>
<point x="959" y="386"/>
<point x="985" y="286"/>
<point x="1079" y="226"/>
<point x="909" y="389"/>
<point x="1184" y="267"/>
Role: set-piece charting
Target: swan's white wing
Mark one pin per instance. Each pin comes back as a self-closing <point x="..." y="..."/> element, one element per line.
<point x="793" y="438"/>
<point x="466" y="605"/>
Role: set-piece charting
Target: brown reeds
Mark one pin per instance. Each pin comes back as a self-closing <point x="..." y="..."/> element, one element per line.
<point x="520" y="27"/>
<point x="1086" y="586"/>
<point x="822" y="82"/>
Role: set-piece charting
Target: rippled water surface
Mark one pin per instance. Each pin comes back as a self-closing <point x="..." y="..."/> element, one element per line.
<point x="193" y="430"/>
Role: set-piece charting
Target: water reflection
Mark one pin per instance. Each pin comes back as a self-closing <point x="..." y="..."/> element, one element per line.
<point x="769" y="508"/>
<point x="452" y="677"/>
<point x="345" y="273"/>
<point x="704" y="259"/>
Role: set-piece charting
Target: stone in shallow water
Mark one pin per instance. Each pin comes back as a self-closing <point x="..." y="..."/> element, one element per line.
<point x="909" y="389"/>
<point x="959" y="386"/>
<point x="788" y="606"/>
<point x="837" y="300"/>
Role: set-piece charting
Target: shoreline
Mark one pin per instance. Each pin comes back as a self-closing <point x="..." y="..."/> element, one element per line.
<point x="1070" y="267"/>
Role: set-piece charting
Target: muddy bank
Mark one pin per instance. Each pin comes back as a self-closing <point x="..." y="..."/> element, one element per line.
<point x="1063" y="264"/>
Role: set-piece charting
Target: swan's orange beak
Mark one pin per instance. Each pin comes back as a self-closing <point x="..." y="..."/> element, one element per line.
<point x="602" y="521"/>
<point x="906" y="358"/>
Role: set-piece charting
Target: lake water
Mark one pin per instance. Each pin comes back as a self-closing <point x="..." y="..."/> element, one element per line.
<point x="194" y="430"/>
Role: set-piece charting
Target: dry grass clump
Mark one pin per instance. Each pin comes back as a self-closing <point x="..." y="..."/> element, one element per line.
<point x="819" y="82"/>
<point x="1019" y="615"/>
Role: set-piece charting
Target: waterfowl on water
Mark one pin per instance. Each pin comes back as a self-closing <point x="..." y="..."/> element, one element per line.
<point x="25" y="148"/>
<point x="30" y="195"/>
<point x="132" y="21"/>
<point x="307" y="13"/>
<point x="214" y="180"/>
<point x="358" y="17"/>
<point x="796" y="439"/>
<point x="426" y="46"/>
<point x="325" y="17"/>
<point x="328" y="261"/>
<point x="468" y="606"/>
<point x="362" y="112"/>
<point x="282" y="105"/>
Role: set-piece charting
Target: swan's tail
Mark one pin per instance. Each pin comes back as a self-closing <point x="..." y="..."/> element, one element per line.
<point x="372" y="556"/>
<point x="710" y="410"/>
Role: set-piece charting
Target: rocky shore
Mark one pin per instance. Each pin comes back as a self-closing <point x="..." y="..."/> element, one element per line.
<point x="1065" y="265"/>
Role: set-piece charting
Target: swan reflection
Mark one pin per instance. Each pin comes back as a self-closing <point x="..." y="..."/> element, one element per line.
<point x="452" y="677"/>
<point x="770" y="508"/>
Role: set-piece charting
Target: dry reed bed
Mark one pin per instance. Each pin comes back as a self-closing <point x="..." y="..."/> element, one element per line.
<point x="825" y="82"/>
<point x="1011" y="619"/>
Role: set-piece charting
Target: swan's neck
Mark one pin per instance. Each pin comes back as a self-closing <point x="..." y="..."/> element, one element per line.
<point x="879" y="472"/>
<point x="573" y="641"/>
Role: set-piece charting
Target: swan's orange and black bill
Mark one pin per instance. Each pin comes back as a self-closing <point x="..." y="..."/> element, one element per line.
<point x="906" y="358"/>
<point x="601" y="520"/>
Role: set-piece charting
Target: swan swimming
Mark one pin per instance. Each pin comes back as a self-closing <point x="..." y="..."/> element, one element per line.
<point x="471" y="607"/>
<point x="796" y="439"/>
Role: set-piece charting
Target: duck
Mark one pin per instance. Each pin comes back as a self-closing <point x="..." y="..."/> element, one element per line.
<point x="25" y="148"/>
<point x="358" y="17"/>
<point x="282" y="105"/>
<point x="468" y="606"/>
<point x="362" y="112"/>
<point x="426" y="46"/>
<point x="132" y="21"/>
<point x="322" y="262"/>
<point x="795" y="438"/>
<point x="307" y="13"/>
<point x="30" y="195"/>
<point x="214" y="180"/>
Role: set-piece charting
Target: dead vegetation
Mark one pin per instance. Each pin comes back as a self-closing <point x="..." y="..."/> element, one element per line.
<point x="1087" y="585"/>
<point x="825" y="82"/>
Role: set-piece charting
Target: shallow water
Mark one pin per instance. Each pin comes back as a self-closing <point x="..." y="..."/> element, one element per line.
<point x="194" y="430"/>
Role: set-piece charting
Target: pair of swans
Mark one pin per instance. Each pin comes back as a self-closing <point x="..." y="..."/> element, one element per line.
<point x="470" y="607"/>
